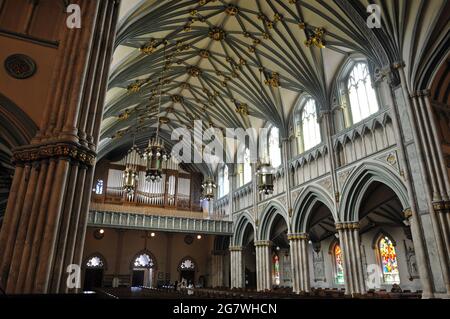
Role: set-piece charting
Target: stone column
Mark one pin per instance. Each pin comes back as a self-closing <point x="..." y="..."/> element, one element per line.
<point x="353" y="267"/>
<point x="263" y="265"/>
<point x="432" y="183"/>
<point x="217" y="266"/>
<point x="301" y="281"/>
<point x="237" y="267"/>
<point x="45" y="220"/>
<point x="411" y="213"/>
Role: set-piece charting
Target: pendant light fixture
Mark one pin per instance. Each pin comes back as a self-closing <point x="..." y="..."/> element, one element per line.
<point x="264" y="170"/>
<point x="208" y="188"/>
<point x="130" y="174"/>
<point x="155" y="153"/>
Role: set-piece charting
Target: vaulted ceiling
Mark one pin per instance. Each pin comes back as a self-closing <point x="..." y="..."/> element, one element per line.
<point x="245" y="63"/>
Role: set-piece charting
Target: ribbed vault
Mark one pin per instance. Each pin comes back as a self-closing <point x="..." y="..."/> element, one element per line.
<point x="242" y="63"/>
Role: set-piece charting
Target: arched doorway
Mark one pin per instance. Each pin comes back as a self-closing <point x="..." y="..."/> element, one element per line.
<point x="143" y="269"/>
<point x="321" y="230"/>
<point x="95" y="266"/>
<point x="249" y="257"/>
<point x="386" y="242"/>
<point x="280" y="258"/>
<point x="187" y="268"/>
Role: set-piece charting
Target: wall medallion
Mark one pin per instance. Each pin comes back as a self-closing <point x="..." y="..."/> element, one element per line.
<point x="20" y="66"/>
<point x="188" y="239"/>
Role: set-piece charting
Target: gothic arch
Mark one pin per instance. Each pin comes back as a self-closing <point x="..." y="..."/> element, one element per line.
<point x="96" y="254"/>
<point x="269" y="214"/>
<point x="241" y="224"/>
<point x="379" y="234"/>
<point x="303" y="207"/>
<point x="358" y="182"/>
<point x="194" y="262"/>
<point x="141" y="252"/>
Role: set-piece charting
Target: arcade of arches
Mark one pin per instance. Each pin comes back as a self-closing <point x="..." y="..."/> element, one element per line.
<point x="358" y="139"/>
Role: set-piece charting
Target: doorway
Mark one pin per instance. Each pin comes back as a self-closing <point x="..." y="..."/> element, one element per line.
<point x="93" y="279"/>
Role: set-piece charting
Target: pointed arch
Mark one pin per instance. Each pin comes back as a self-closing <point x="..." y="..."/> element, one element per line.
<point x="269" y="214"/>
<point x="240" y="226"/>
<point x="359" y="181"/>
<point x="96" y="257"/>
<point x="187" y="263"/>
<point x="153" y="264"/>
<point x="305" y="202"/>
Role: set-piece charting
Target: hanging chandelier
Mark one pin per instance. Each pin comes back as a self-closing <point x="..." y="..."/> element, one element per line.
<point x="130" y="174"/>
<point x="155" y="153"/>
<point x="264" y="174"/>
<point x="208" y="188"/>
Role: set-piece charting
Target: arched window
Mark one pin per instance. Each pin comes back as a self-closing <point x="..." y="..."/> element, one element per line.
<point x="338" y="265"/>
<point x="247" y="168"/>
<point x="143" y="261"/>
<point x="187" y="264"/>
<point x="362" y="97"/>
<point x="99" y="187"/>
<point x="223" y="181"/>
<point x="274" y="147"/>
<point x="95" y="262"/>
<point x="306" y="125"/>
<point x="388" y="259"/>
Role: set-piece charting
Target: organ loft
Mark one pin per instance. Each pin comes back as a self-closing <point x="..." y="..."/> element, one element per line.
<point x="209" y="148"/>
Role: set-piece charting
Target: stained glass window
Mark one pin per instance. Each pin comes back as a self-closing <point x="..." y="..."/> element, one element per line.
<point x="276" y="270"/>
<point x="388" y="258"/>
<point x="339" y="265"/>
<point x="143" y="261"/>
<point x="94" y="262"/>
<point x="187" y="264"/>
<point x="363" y="100"/>
<point x="274" y="147"/>
<point x="99" y="187"/>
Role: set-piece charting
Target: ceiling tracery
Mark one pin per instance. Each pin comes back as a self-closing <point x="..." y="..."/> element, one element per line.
<point x="241" y="63"/>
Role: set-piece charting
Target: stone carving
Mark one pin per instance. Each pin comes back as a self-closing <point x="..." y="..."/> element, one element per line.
<point x="20" y="66"/>
<point x="64" y="149"/>
<point x="326" y="184"/>
<point x="411" y="261"/>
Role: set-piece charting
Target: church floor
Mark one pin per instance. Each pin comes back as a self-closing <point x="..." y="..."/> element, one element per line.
<point x="147" y="293"/>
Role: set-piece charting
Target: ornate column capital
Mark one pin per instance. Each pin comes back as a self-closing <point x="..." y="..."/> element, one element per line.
<point x="439" y="206"/>
<point x="235" y="248"/>
<point x="263" y="243"/>
<point x="298" y="236"/>
<point x="407" y="213"/>
<point x="347" y="225"/>
<point x="58" y="149"/>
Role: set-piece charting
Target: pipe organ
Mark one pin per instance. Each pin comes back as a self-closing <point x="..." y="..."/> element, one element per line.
<point x="175" y="189"/>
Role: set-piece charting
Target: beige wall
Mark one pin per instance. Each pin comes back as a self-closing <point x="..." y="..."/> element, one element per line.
<point x="26" y="28"/>
<point x="167" y="248"/>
